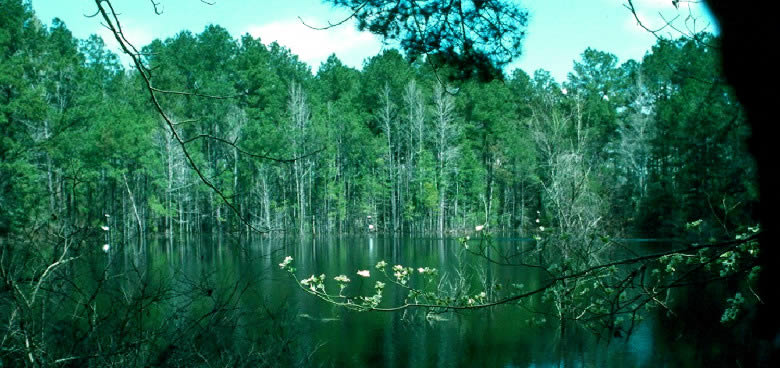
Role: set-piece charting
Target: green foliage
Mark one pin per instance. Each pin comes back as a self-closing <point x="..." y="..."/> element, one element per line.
<point x="734" y="305"/>
<point x="655" y="143"/>
<point x="475" y="36"/>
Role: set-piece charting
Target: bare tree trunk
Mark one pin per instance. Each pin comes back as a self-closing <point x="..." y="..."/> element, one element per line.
<point x="300" y="115"/>
<point x="386" y="120"/>
<point x="446" y="133"/>
<point x="135" y="208"/>
<point x="169" y="191"/>
<point x="266" y="200"/>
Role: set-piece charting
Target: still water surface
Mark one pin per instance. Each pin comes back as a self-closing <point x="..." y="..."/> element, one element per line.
<point x="502" y="336"/>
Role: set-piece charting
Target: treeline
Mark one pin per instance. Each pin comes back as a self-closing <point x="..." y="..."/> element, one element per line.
<point x="634" y="148"/>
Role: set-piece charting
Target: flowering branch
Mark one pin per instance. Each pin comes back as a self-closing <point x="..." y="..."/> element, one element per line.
<point x="611" y="289"/>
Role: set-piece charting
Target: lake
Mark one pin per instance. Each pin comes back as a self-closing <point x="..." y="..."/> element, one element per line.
<point x="245" y="278"/>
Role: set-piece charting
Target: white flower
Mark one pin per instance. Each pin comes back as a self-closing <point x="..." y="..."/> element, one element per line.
<point x="605" y="98"/>
<point x="286" y="262"/>
<point x="468" y="237"/>
<point x="308" y="281"/>
<point x="541" y="228"/>
<point x="482" y="294"/>
<point x="401" y="273"/>
<point x="564" y="91"/>
<point x="107" y="215"/>
<point x="381" y="264"/>
<point x="105" y="228"/>
<point x="364" y="273"/>
<point x="371" y="227"/>
<point x="379" y="285"/>
<point x="471" y="301"/>
<point x="479" y="227"/>
<point x="426" y="270"/>
<point x="537" y="221"/>
<point x="341" y="278"/>
<point x="106" y="247"/>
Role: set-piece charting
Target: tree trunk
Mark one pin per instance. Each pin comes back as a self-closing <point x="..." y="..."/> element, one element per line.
<point x="135" y="208"/>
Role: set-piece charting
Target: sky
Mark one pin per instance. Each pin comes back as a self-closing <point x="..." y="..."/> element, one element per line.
<point x="557" y="34"/>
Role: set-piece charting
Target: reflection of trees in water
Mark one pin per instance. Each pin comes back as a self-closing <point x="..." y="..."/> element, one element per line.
<point x="134" y="306"/>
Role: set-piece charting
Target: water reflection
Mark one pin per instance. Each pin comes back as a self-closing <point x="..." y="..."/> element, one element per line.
<point x="498" y="337"/>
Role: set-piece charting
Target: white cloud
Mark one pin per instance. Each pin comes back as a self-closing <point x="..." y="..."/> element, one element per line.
<point x="314" y="46"/>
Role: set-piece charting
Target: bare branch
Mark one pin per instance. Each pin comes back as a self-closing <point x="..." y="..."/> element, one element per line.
<point x="691" y="34"/>
<point x="195" y="94"/>
<point x="331" y="24"/>
<point x="157" y="8"/>
<point x="250" y="154"/>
